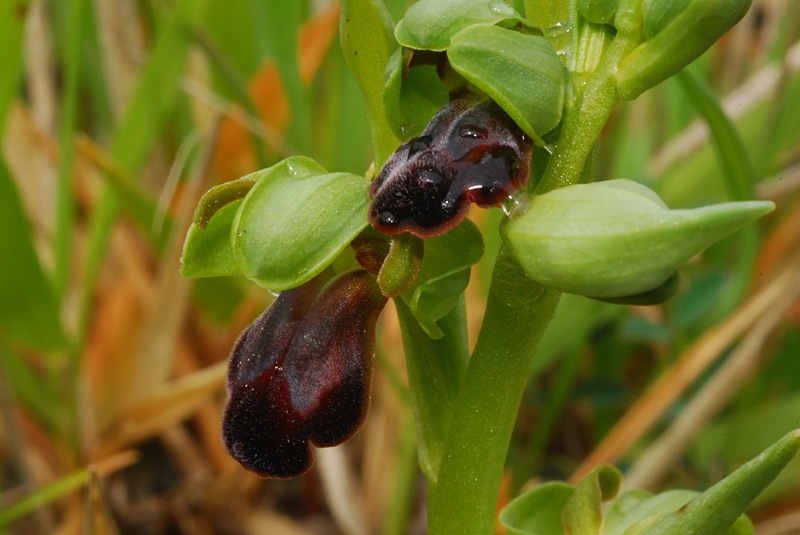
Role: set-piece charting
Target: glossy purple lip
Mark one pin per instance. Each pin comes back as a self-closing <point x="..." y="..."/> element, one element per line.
<point x="468" y="153"/>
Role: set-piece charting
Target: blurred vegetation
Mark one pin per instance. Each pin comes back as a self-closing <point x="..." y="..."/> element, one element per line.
<point x="115" y="116"/>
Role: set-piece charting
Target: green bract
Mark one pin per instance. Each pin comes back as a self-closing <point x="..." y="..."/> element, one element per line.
<point x="430" y="24"/>
<point x="677" y="32"/>
<point x="293" y="224"/>
<point x="616" y="238"/>
<point x="521" y="72"/>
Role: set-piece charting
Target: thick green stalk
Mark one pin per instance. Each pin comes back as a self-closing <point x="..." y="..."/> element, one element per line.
<point x="518" y="311"/>
<point x="585" y="119"/>
<point x="590" y="100"/>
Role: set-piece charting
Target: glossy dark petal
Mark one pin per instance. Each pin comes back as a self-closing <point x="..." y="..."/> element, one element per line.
<point x="468" y="153"/>
<point x="301" y="374"/>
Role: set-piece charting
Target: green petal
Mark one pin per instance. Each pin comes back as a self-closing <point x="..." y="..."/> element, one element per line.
<point x="295" y="222"/>
<point x="444" y="275"/>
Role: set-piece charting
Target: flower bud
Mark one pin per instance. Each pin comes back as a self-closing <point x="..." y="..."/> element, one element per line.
<point x="614" y="239"/>
<point x="301" y="374"/>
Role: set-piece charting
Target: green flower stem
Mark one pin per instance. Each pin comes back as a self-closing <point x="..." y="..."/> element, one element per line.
<point x="594" y="100"/>
<point x="518" y="310"/>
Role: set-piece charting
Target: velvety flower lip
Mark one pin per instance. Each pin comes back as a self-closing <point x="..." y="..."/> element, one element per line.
<point x="469" y="153"/>
<point x="301" y="374"/>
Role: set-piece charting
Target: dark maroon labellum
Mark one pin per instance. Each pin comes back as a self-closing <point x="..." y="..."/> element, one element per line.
<point x="302" y="373"/>
<point x="468" y="153"/>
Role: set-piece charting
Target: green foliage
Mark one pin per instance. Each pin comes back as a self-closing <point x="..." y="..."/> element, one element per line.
<point x="593" y="507"/>
<point x="30" y="311"/>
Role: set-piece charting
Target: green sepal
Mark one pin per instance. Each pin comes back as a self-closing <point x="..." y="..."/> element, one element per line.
<point x="444" y="275"/>
<point x="657" y="14"/>
<point x="616" y="238"/>
<point x="295" y="221"/>
<point x="207" y="251"/>
<point x="679" y="34"/>
<point x="430" y="24"/>
<point x="521" y="72"/>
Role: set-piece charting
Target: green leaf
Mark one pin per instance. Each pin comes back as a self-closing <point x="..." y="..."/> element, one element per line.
<point x="582" y="513"/>
<point x="430" y="24"/>
<point x="30" y="310"/>
<point x="715" y="510"/>
<point x="208" y="252"/>
<point x="739" y="174"/>
<point x="684" y="31"/>
<point x="538" y="511"/>
<point x="12" y="23"/>
<point x="444" y="275"/>
<point x="614" y="238"/>
<point x="521" y="72"/>
<point x="295" y="221"/>
<point x="365" y="32"/>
